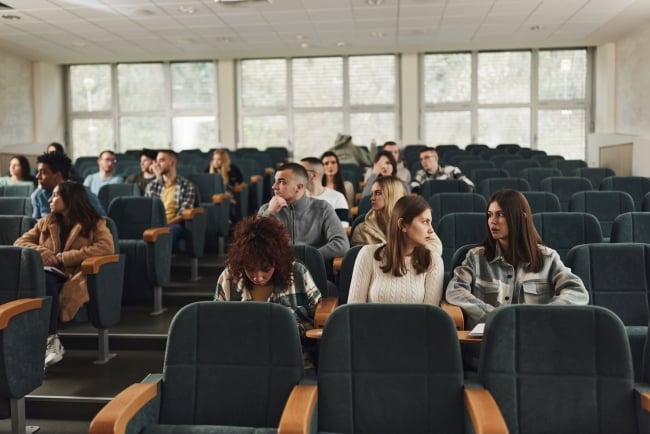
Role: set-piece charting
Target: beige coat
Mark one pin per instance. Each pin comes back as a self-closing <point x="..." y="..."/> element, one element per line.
<point x="45" y="237"/>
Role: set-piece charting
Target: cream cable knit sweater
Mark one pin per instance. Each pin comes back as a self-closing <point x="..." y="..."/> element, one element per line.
<point x="371" y="285"/>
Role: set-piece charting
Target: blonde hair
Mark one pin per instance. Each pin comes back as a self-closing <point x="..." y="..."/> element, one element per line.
<point x="392" y="190"/>
<point x="225" y="165"/>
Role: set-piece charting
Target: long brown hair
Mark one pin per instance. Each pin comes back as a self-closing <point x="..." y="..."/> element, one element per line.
<point x="338" y="178"/>
<point x="392" y="254"/>
<point x="80" y="210"/>
<point x="523" y="238"/>
<point x="225" y="165"/>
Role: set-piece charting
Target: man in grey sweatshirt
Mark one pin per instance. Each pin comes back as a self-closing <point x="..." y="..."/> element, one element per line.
<point x="308" y="220"/>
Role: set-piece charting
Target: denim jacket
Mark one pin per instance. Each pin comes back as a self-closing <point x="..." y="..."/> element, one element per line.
<point x="479" y="285"/>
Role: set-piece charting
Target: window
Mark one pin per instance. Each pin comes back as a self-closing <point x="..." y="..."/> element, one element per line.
<point x="135" y="105"/>
<point x="303" y="102"/>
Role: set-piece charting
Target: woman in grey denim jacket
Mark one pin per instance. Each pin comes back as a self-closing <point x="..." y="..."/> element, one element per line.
<point x="511" y="266"/>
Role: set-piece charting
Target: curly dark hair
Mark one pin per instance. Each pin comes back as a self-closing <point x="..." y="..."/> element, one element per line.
<point x="260" y="243"/>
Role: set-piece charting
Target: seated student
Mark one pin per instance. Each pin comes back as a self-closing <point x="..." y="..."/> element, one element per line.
<point x="404" y="269"/>
<point x="403" y="172"/>
<point x="230" y="175"/>
<point x="333" y="178"/>
<point x="384" y="165"/>
<point x="386" y="191"/>
<point x="19" y="172"/>
<point x="72" y="232"/>
<point x="106" y="174"/>
<point x="315" y="187"/>
<point x="260" y="266"/>
<point x="511" y="266"/>
<point x="431" y="169"/>
<point x="146" y="174"/>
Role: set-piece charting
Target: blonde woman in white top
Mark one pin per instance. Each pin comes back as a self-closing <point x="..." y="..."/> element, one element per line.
<point x="403" y="270"/>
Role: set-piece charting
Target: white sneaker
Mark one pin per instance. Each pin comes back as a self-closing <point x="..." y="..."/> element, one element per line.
<point x="54" y="351"/>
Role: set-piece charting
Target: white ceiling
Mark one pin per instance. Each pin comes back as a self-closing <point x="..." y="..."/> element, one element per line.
<point x="72" y="31"/>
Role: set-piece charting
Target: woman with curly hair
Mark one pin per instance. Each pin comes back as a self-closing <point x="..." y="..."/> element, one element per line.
<point x="333" y="178"/>
<point x="261" y="266"/>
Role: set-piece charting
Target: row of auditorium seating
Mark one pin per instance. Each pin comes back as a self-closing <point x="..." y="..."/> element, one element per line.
<point x="543" y="369"/>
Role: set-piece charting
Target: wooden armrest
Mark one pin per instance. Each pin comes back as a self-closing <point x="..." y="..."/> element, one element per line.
<point x="324" y="309"/>
<point x="189" y="214"/>
<point x="15" y="307"/>
<point x="114" y="416"/>
<point x="256" y="178"/>
<point x="218" y="198"/>
<point x="645" y="401"/>
<point x="152" y="234"/>
<point x="299" y="410"/>
<point x="354" y="211"/>
<point x="269" y="171"/>
<point x="337" y="263"/>
<point x="93" y="265"/>
<point x="357" y="197"/>
<point x="484" y="412"/>
<point x="348" y="230"/>
<point x="240" y="187"/>
<point x="456" y="314"/>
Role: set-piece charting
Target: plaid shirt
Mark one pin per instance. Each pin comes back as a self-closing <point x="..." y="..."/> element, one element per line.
<point x="443" y="173"/>
<point x="301" y="296"/>
<point x="184" y="194"/>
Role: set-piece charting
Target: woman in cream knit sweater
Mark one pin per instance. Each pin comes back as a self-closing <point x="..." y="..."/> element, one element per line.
<point x="404" y="269"/>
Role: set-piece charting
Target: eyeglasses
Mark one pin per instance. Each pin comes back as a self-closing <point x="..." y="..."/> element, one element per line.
<point x="110" y="160"/>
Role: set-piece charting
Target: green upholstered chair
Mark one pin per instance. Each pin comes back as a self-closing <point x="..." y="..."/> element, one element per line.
<point x="534" y="175"/>
<point x="13" y="226"/>
<point x="466" y="166"/>
<point x="476" y="148"/>
<point x="345" y="274"/>
<point x="14" y="205"/>
<point x="542" y="201"/>
<point x="213" y="198"/>
<point x="478" y="175"/>
<point x="561" y="369"/>
<point x="604" y="205"/>
<point x="631" y="227"/>
<point x="617" y="277"/>
<point x="593" y="174"/>
<point x="645" y="204"/>
<point x="253" y="177"/>
<point x="433" y="186"/>
<point x="456" y="230"/>
<point x="564" y="187"/>
<point x="636" y="186"/>
<point x="229" y="368"/>
<point x="109" y="192"/>
<point x="490" y="185"/>
<point x="568" y="166"/>
<point x="515" y="166"/>
<point x="391" y="368"/>
<point x="23" y="189"/>
<point x="145" y="240"/>
<point x="446" y="203"/>
<point x="500" y="159"/>
<point x="562" y="231"/>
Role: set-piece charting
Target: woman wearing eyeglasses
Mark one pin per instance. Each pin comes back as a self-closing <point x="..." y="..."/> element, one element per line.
<point x="512" y="265"/>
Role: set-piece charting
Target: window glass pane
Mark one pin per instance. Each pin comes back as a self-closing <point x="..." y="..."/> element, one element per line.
<point x="137" y="132"/>
<point x="504" y="77"/>
<point x="193" y="85"/>
<point x="141" y="87"/>
<point x="90" y="87"/>
<point x="194" y="132"/>
<point x="91" y="136"/>
<point x="368" y="126"/>
<point x="372" y="80"/>
<point x="447" y="78"/>
<point x="264" y="83"/>
<point x="262" y="132"/>
<point x="448" y="127"/>
<point x="318" y="82"/>
<point x="315" y="133"/>
<point x="562" y="74"/>
<point x="562" y="132"/>
<point x="504" y="125"/>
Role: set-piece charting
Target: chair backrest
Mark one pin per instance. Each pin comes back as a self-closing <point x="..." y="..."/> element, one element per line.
<point x="133" y="215"/>
<point x="546" y="160"/>
<point x="563" y="230"/>
<point x="515" y="166"/>
<point x="395" y="376"/>
<point x="631" y="227"/>
<point x="476" y="148"/>
<point x="490" y="185"/>
<point x="13" y="226"/>
<point x="478" y="175"/>
<point x="217" y="360"/>
<point x="542" y="201"/>
<point x="568" y="166"/>
<point x="313" y="260"/>
<point x="593" y="174"/>
<point x="645" y="204"/>
<point x="605" y="205"/>
<point x="458" y="229"/>
<point x="527" y="153"/>
<point x="22" y="273"/>
<point x="466" y="166"/>
<point x="12" y="205"/>
<point x="617" y="276"/>
<point x="109" y="192"/>
<point x="511" y="148"/>
<point x="500" y="159"/>
<point x="564" y="187"/>
<point x="278" y="154"/>
<point x="446" y="203"/>
<point x="636" y="186"/>
<point x="536" y="359"/>
<point x="433" y="186"/>
<point x="207" y="185"/>
<point x="24" y="189"/>
<point x="364" y="204"/>
<point x="345" y="274"/>
<point x="534" y="175"/>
